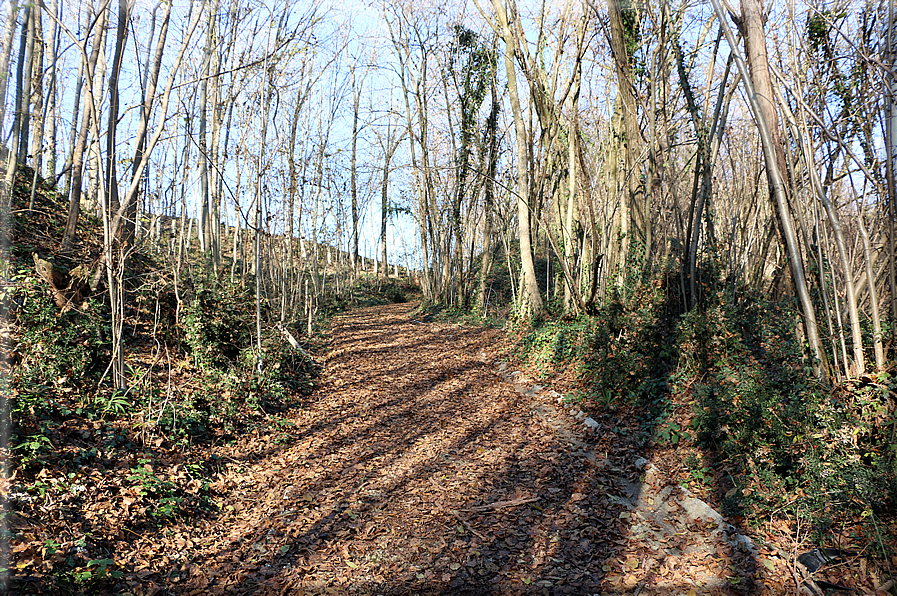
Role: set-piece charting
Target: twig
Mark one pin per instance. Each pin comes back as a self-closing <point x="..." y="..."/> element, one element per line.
<point x="642" y="584"/>
<point x="292" y="340"/>
<point x="501" y="505"/>
<point x="491" y="506"/>
<point x="468" y="526"/>
<point x="456" y="514"/>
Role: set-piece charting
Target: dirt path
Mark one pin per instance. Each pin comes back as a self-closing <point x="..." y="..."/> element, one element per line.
<point x="416" y="468"/>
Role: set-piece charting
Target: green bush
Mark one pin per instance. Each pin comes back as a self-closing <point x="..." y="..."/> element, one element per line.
<point x="550" y="344"/>
<point x="56" y="351"/>
<point x="162" y="496"/>
<point x="219" y="334"/>
<point x="632" y="351"/>
<point x="395" y="295"/>
<point x="217" y="325"/>
<point x="371" y="290"/>
<point x="739" y="382"/>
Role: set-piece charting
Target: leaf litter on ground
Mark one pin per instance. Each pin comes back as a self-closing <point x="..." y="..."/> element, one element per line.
<point x="414" y="467"/>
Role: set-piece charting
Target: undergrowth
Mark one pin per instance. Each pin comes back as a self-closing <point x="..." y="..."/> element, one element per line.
<point x="729" y="381"/>
<point x="97" y="464"/>
<point x="430" y="311"/>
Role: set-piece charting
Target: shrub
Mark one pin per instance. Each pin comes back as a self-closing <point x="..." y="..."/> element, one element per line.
<point x="219" y="334"/>
<point x="217" y="326"/>
<point x="56" y="351"/>
<point x="550" y="344"/>
<point x="736" y="377"/>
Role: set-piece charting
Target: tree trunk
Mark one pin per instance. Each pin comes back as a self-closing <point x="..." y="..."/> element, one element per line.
<point x="111" y="201"/>
<point x="131" y="195"/>
<point x="73" y="130"/>
<point x="834" y="218"/>
<point x="205" y="232"/>
<point x="26" y="68"/>
<point x="384" y="212"/>
<point x="40" y="124"/>
<point x="491" y="154"/>
<point x="115" y="264"/>
<point x="12" y="163"/>
<point x="531" y="298"/>
<point x="634" y="215"/>
<point x="215" y="182"/>
<point x="418" y="138"/>
<point x="7" y="169"/>
<point x="294" y="187"/>
<point x="877" y="343"/>
<point x="389" y="145"/>
<point x="268" y="93"/>
<point x="150" y="76"/>
<point x="71" y="224"/>
<point x="148" y="90"/>
<point x="23" y="85"/>
<point x="9" y="34"/>
<point x="752" y="20"/>
<point x="50" y="124"/>
<point x="891" y="165"/>
<point x="571" y="286"/>
<point x="356" y="97"/>
<point x="37" y="95"/>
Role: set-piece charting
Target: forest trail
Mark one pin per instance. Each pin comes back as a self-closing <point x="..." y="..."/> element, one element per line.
<point x="416" y="468"/>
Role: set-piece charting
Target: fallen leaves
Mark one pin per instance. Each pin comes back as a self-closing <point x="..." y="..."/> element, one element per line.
<point x="413" y="468"/>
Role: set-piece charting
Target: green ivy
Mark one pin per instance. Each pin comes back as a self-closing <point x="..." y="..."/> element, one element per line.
<point x="57" y="351"/>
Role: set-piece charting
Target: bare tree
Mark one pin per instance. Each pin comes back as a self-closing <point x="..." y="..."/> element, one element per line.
<point x="9" y="33"/>
<point x="89" y="62"/>
<point x="389" y="143"/>
<point x="16" y="152"/>
<point x="357" y="85"/>
<point x="759" y="91"/>
<point x="531" y="297"/>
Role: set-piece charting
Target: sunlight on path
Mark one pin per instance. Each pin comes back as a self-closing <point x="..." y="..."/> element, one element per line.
<point x="414" y="468"/>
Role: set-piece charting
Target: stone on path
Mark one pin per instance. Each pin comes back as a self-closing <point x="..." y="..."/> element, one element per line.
<point x="658" y="509"/>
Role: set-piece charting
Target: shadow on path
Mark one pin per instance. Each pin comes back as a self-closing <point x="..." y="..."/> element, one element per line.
<point x="415" y="468"/>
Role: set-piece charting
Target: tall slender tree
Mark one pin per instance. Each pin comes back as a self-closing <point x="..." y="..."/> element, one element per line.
<point x="759" y="91"/>
<point x="530" y="296"/>
<point x="98" y="25"/>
